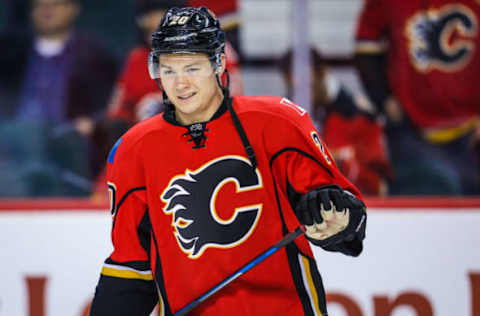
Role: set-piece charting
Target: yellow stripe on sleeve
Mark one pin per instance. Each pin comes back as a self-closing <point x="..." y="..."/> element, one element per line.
<point x="126" y="273"/>
<point x="161" y="309"/>
<point x="310" y="286"/>
<point x="369" y="47"/>
<point x="445" y="135"/>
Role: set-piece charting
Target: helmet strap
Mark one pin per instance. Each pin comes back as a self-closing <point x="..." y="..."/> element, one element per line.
<point x="165" y="100"/>
<point x="236" y="121"/>
<point x="225" y="89"/>
<point x="241" y="132"/>
<point x="159" y="83"/>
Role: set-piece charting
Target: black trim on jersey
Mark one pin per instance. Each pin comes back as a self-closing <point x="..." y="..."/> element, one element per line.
<point x="158" y="277"/>
<point x="127" y="194"/>
<point x="279" y="205"/>
<point x="300" y="152"/>
<point x="197" y="130"/>
<point x="169" y="114"/>
<point x="123" y="297"/>
<point x="292" y="254"/>
<point x="144" y="232"/>
<point x="137" y="265"/>
<point x="317" y="280"/>
<point x="124" y="197"/>
<point x="293" y="197"/>
<point x="292" y="249"/>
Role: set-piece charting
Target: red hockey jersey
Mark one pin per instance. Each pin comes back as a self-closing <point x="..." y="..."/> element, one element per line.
<point x="185" y="219"/>
<point x="433" y="56"/>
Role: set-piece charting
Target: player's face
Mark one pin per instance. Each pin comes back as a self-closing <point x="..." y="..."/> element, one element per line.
<point x="190" y="83"/>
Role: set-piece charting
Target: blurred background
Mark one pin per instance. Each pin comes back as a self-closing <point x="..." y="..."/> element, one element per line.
<point x="392" y="87"/>
<point x="377" y="80"/>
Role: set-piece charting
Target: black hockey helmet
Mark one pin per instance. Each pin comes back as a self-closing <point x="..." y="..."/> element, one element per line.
<point x="187" y="30"/>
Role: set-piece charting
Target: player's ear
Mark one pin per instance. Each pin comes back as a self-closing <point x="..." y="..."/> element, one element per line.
<point x="221" y="67"/>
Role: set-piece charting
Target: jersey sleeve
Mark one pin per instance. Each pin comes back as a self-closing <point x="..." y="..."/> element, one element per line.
<point x="126" y="285"/>
<point x="298" y="152"/>
<point x="301" y="162"/>
<point x="371" y="27"/>
<point x="370" y="51"/>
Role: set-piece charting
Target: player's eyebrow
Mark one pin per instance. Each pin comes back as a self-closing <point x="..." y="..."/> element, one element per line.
<point x="196" y="63"/>
<point x="193" y="64"/>
<point x="164" y="66"/>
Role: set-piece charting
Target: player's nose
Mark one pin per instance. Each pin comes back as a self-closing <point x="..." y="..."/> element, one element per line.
<point x="181" y="80"/>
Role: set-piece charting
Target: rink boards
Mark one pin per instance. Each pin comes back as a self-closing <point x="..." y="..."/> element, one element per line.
<point x="421" y="257"/>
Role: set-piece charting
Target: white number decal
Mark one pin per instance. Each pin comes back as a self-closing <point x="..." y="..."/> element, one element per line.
<point x="179" y="20"/>
<point x="320" y="146"/>
<point x="112" y="196"/>
<point x="294" y="106"/>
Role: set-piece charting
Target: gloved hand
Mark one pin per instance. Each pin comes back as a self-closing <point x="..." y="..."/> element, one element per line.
<point x="331" y="215"/>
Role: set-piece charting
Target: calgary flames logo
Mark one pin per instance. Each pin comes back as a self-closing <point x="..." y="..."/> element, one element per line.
<point x="442" y="39"/>
<point x="191" y="200"/>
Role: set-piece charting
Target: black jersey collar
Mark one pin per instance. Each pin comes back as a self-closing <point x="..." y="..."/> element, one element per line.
<point x="169" y="114"/>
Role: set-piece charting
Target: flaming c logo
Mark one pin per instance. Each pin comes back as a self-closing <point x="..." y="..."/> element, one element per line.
<point x="190" y="199"/>
<point x="442" y="39"/>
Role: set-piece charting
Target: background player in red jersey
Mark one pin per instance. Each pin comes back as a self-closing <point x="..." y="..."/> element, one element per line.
<point x="354" y="136"/>
<point x="199" y="190"/>
<point x="419" y="62"/>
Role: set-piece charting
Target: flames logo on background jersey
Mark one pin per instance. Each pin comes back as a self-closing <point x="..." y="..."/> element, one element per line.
<point x="442" y="39"/>
<point x="190" y="199"/>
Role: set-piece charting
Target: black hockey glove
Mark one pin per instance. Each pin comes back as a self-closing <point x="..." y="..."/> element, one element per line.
<point x="331" y="215"/>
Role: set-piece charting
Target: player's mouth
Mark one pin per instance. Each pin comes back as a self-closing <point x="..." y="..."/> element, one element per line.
<point x="186" y="97"/>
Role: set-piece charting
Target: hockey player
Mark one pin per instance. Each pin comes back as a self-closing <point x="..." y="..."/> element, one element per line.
<point x="198" y="191"/>
<point x="419" y="62"/>
<point x="137" y="97"/>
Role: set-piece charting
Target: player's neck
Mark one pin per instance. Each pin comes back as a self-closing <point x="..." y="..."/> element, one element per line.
<point x="204" y="115"/>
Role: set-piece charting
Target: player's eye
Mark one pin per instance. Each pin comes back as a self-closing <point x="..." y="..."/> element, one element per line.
<point x="192" y="70"/>
<point x="167" y="72"/>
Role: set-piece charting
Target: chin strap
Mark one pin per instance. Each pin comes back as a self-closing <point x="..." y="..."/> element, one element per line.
<point x="165" y="99"/>
<point x="236" y="121"/>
